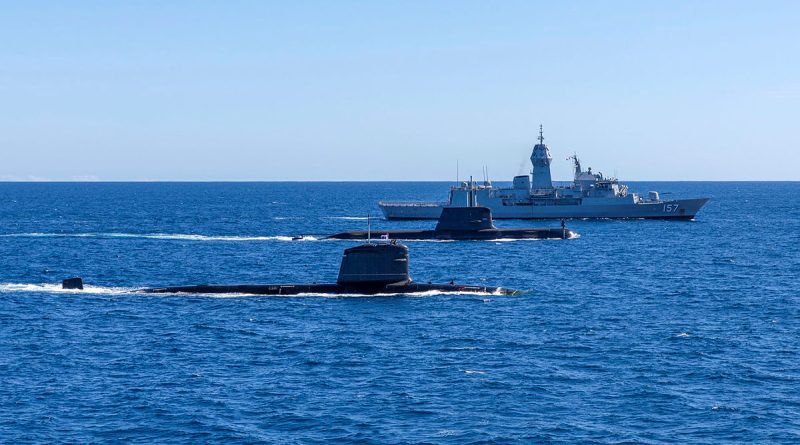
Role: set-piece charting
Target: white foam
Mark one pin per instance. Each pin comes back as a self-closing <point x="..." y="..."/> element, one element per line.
<point x="304" y="238"/>
<point x="161" y="236"/>
<point x="56" y="289"/>
<point x="350" y="218"/>
<point x="446" y="433"/>
<point x="508" y="240"/>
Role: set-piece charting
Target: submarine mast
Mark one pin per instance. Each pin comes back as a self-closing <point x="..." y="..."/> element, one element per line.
<point x="540" y="158"/>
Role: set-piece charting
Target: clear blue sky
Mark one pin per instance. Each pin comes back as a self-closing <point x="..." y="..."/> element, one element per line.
<point x="229" y="90"/>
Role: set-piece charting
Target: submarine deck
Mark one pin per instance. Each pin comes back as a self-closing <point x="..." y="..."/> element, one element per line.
<point x="295" y="289"/>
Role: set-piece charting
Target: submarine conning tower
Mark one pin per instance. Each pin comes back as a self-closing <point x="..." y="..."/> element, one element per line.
<point x="374" y="264"/>
<point x="540" y="158"/>
<point x="465" y="218"/>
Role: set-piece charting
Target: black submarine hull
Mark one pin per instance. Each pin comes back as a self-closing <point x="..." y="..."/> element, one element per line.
<point x="335" y="289"/>
<point x="480" y="235"/>
<point x="463" y="223"/>
<point x="368" y="269"/>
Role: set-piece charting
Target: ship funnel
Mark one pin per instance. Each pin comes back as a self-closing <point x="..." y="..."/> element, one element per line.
<point x="377" y="264"/>
<point x="522" y="182"/>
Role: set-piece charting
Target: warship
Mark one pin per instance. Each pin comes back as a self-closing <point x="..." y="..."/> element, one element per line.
<point x="367" y="269"/>
<point x="463" y="223"/>
<point x="590" y="195"/>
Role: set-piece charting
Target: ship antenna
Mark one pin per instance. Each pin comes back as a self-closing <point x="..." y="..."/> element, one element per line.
<point x="471" y="191"/>
<point x="541" y="134"/>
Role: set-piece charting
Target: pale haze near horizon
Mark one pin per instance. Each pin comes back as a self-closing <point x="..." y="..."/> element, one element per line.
<point x="397" y="91"/>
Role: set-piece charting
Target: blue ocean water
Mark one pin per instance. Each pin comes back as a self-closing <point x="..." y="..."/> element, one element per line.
<point x="636" y="332"/>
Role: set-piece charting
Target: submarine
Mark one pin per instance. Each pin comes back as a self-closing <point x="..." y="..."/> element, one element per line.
<point x="463" y="223"/>
<point x="368" y="269"/>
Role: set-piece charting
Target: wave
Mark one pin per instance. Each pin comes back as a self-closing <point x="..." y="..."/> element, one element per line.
<point x="161" y="236"/>
<point x="52" y="288"/>
<point x="351" y="218"/>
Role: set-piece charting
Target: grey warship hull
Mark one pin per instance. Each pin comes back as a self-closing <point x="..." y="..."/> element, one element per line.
<point x="680" y="209"/>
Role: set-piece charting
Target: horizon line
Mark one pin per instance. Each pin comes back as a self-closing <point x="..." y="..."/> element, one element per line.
<point x="233" y="181"/>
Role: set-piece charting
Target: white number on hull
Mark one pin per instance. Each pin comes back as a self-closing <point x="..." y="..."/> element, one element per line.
<point x="670" y="208"/>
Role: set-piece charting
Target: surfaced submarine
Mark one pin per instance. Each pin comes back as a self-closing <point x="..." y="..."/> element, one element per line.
<point x="369" y="269"/>
<point x="464" y="223"/>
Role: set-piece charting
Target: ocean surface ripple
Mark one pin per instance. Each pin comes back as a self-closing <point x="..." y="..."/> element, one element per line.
<point x="635" y="332"/>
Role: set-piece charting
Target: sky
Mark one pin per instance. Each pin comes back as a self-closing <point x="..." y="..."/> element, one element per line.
<point x="394" y="91"/>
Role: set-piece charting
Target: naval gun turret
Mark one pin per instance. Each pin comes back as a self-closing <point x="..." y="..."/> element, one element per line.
<point x="369" y="269"/>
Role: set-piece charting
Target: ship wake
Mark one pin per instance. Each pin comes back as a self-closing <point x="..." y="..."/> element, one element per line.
<point x="160" y="236"/>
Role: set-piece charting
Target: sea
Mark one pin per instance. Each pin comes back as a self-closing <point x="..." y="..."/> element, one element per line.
<point x="636" y="331"/>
